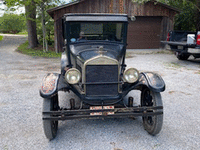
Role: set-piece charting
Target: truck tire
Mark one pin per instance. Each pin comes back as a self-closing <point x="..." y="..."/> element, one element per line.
<point x="50" y="127"/>
<point x="182" y="56"/>
<point x="152" y="124"/>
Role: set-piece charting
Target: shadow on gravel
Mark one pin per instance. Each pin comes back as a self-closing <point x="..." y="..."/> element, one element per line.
<point x="80" y="128"/>
<point x="196" y="61"/>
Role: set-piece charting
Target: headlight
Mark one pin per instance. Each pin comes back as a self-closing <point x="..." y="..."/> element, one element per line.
<point x="72" y="76"/>
<point x="131" y="75"/>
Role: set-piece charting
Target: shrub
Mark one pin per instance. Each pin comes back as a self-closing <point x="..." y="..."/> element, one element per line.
<point x="12" y="23"/>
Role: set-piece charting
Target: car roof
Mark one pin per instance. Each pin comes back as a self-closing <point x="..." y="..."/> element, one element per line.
<point x="96" y="17"/>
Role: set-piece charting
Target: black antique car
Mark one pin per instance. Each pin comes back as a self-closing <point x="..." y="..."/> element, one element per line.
<point x="93" y="67"/>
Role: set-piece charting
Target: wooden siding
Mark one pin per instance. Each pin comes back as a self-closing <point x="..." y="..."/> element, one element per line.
<point x="117" y="6"/>
<point x="111" y="6"/>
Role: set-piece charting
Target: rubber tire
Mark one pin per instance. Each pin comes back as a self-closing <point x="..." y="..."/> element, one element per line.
<point x="156" y="127"/>
<point x="182" y="56"/>
<point x="50" y="127"/>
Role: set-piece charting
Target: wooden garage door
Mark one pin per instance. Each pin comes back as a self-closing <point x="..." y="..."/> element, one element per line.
<point x="144" y="33"/>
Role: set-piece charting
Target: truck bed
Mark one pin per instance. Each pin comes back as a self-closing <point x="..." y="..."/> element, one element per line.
<point x="171" y="43"/>
<point x="178" y="43"/>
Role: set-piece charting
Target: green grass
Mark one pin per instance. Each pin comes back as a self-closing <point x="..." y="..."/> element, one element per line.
<point x="197" y="72"/>
<point x="23" y="33"/>
<point x="1" y="37"/>
<point x="20" y="33"/>
<point x="173" y="65"/>
<point x="37" y="52"/>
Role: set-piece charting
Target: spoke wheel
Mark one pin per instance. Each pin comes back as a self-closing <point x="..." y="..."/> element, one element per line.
<point x="50" y="127"/>
<point x="152" y="124"/>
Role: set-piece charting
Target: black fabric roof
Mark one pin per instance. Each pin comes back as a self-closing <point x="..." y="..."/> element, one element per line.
<point x="96" y="17"/>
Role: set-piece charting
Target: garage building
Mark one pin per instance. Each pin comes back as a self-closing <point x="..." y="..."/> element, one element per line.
<point x="153" y="20"/>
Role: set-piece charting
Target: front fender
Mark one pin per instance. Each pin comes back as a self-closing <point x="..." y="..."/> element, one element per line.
<point x="49" y="85"/>
<point x="153" y="81"/>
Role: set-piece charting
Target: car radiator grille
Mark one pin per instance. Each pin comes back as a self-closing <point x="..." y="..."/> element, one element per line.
<point x="101" y="80"/>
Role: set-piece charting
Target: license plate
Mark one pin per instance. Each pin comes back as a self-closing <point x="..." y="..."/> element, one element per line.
<point x="95" y="108"/>
<point x="100" y="108"/>
<point x="109" y="107"/>
<point x="180" y="47"/>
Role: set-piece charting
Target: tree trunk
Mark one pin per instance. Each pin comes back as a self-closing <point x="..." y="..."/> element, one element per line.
<point x="31" y="24"/>
<point x="198" y="17"/>
<point x="45" y="44"/>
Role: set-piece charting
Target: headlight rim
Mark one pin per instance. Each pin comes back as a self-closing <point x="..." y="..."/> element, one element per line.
<point x="125" y="74"/>
<point x="72" y="69"/>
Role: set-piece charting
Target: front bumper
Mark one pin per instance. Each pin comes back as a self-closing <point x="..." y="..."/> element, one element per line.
<point x="118" y="113"/>
<point x="194" y="50"/>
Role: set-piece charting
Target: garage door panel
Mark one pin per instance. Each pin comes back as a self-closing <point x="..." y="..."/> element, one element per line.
<point x="144" y="33"/>
<point x="147" y="45"/>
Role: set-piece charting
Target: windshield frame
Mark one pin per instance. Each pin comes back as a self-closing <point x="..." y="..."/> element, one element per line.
<point x="121" y="41"/>
<point x="66" y="33"/>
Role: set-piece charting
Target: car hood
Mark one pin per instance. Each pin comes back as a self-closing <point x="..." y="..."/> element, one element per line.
<point x="88" y="51"/>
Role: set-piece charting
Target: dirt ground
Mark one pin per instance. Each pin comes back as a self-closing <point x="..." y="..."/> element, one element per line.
<point x="21" y="106"/>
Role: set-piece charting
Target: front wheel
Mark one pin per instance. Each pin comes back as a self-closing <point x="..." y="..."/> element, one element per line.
<point x="50" y="127"/>
<point x="152" y="124"/>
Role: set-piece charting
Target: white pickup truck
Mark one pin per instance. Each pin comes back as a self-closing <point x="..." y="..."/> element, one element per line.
<point x="184" y="44"/>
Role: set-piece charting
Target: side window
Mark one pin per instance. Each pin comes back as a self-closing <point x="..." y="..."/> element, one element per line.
<point x="109" y="31"/>
<point x="74" y="30"/>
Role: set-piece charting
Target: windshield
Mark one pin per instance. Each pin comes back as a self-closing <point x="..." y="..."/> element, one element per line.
<point x="109" y="31"/>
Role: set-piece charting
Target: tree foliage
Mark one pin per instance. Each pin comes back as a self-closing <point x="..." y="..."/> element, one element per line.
<point x="12" y="23"/>
<point x="187" y="19"/>
<point x="33" y="25"/>
<point x="49" y="23"/>
<point x="30" y="8"/>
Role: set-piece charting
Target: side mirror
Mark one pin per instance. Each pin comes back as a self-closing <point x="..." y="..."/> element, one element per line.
<point x="133" y="18"/>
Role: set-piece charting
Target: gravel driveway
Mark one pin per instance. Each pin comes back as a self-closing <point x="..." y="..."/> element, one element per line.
<point x="21" y="106"/>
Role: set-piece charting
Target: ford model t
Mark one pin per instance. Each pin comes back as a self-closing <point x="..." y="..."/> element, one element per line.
<point x="93" y="68"/>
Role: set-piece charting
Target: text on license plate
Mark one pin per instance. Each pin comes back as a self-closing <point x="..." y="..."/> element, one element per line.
<point x="99" y="108"/>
